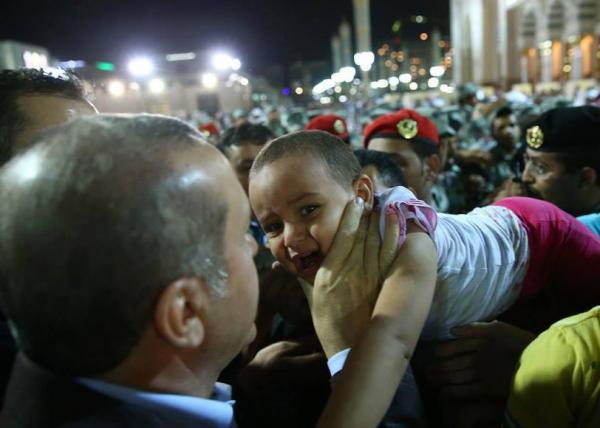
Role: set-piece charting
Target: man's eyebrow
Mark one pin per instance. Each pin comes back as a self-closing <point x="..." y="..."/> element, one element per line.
<point x="302" y="196"/>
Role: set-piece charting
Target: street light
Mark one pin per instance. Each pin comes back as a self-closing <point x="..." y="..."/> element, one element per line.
<point x="157" y="86"/>
<point x="209" y="80"/>
<point x="140" y="67"/>
<point x="364" y="60"/>
<point x="116" y="88"/>
<point x="222" y="61"/>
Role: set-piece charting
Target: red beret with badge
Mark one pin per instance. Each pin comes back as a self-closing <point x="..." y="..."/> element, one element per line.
<point x="331" y="123"/>
<point x="405" y="124"/>
<point x="209" y="129"/>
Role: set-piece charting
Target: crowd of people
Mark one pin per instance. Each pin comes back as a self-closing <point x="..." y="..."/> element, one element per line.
<point x="431" y="266"/>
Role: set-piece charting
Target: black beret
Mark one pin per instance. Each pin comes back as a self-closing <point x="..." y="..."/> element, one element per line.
<point x="565" y="130"/>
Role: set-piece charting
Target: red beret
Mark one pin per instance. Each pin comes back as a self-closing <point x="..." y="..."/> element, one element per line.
<point x="209" y="128"/>
<point x="406" y="124"/>
<point x="331" y="123"/>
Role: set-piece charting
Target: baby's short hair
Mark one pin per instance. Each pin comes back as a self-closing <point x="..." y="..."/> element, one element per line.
<point x="331" y="151"/>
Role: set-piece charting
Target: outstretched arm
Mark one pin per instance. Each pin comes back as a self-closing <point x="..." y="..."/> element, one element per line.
<point x="364" y="390"/>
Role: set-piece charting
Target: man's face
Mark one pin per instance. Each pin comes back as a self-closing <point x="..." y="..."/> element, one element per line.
<point x="241" y="158"/>
<point x="547" y="179"/>
<point x="44" y="111"/>
<point x="506" y="131"/>
<point x="406" y="157"/>
<point x="299" y="206"/>
<point x="231" y="323"/>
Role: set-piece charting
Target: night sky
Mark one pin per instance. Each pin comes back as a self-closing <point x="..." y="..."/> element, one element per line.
<point x="260" y="32"/>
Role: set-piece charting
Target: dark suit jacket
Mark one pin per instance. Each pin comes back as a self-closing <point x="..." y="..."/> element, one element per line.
<point x="36" y="398"/>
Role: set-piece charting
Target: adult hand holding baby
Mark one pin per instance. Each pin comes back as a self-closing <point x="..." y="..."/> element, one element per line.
<point x="347" y="284"/>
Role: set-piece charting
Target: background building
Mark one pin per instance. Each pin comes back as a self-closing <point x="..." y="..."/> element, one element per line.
<point x="546" y="43"/>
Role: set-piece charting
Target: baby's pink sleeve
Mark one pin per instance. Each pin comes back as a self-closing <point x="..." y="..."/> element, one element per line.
<point x="403" y="202"/>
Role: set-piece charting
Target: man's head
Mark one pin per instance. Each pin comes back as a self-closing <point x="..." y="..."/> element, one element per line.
<point x="413" y="141"/>
<point x="135" y="238"/>
<point x="381" y="167"/>
<point x="241" y="144"/>
<point x="563" y="158"/>
<point x="505" y="129"/>
<point x="33" y="100"/>
<point x="467" y="95"/>
<point x="300" y="185"/>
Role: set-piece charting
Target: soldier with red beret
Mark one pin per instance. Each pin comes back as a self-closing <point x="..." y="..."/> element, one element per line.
<point x="332" y="123"/>
<point x="210" y="131"/>
<point x="414" y="141"/>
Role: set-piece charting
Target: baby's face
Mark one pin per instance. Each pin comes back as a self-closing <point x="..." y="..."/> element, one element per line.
<point x="299" y="206"/>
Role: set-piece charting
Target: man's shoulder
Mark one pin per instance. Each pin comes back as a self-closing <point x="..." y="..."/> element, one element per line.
<point x="36" y="398"/>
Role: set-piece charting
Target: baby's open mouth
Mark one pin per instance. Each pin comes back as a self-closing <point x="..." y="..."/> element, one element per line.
<point x="307" y="264"/>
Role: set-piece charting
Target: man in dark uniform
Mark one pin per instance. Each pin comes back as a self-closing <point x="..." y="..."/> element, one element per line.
<point x="563" y="160"/>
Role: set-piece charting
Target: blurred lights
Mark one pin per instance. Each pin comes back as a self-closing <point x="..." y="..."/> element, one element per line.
<point x="405" y="78"/>
<point x="433" y="82"/>
<point x="185" y="56"/>
<point x="423" y="36"/>
<point x="299" y="91"/>
<point x="382" y="83"/>
<point x="347" y="74"/>
<point x="134" y="86"/>
<point x="70" y="65"/>
<point x="446" y="88"/>
<point x="364" y="60"/>
<point x="140" y="67"/>
<point x="323" y="86"/>
<point x="394" y="81"/>
<point x="209" y="80"/>
<point x="343" y="98"/>
<point x="413" y="86"/>
<point x="157" y="86"/>
<point x="325" y="100"/>
<point x="437" y="71"/>
<point x="116" y="88"/>
<point x="223" y="61"/>
<point x="34" y="60"/>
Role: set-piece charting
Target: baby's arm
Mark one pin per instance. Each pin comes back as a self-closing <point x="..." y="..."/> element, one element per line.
<point x="378" y="361"/>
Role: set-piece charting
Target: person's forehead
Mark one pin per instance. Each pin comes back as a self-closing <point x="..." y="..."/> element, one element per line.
<point x="393" y="145"/>
<point x="548" y="157"/>
<point x="284" y="179"/>
<point x="505" y="119"/>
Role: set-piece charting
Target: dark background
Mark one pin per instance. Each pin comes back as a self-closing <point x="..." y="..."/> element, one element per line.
<point x="261" y="33"/>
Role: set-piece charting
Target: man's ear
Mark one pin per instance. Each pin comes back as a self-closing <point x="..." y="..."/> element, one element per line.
<point x="433" y="164"/>
<point x="588" y="176"/>
<point x="363" y="187"/>
<point x="179" y="311"/>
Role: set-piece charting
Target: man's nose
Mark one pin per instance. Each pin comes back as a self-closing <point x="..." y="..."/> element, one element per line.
<point x="527" y="176"/>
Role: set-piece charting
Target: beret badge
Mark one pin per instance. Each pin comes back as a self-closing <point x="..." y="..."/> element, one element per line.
<point x="339" y="127"/>
<point x="535" y="137"/>
<point x="407" y="128"/>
